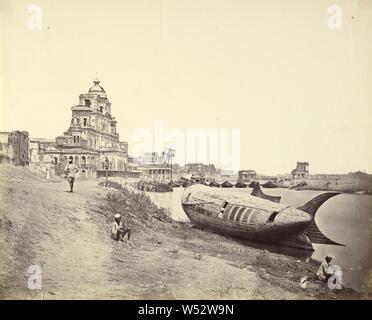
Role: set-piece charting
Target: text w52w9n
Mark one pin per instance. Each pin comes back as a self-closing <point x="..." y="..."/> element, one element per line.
<point x="207" y="309"/>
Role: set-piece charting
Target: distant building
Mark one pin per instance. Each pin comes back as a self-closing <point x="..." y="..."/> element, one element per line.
<point x="38" y="147"/>
<point x="150" y="158"/>
<point x="200" y="170"/>
<point x="247" y="175"/>
<point x="40" y="162"/>
<point x="301" y="171"/>
<point x="177" y="171"/>
<point x="91" y="139"/>
<point x="227" y="173"/>
<point x="158" y="172"/>
<point x="34" y="151"/>
<point x="14" y="147"/>
<point x="132" y="164"/>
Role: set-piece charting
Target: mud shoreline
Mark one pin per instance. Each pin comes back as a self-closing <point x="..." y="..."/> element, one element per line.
<point x="279" y="271"/>
<point x="68" y="235"/>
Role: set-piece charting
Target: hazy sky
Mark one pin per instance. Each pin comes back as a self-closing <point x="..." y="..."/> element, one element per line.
<point x="297" y="90"/>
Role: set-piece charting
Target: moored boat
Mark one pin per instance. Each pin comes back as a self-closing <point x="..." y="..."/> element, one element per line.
<point x="187" y="183"/>
<point x="226" y="184"/>
<point x="269" y="184"/>
<point x="154" y="186"/>
<point x="240" y="184"/>
<point x="176" y="184"/>
<point x="252" y="184"/>
<point x="214" y="184"/>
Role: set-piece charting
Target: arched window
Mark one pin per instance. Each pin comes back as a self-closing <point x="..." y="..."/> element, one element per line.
<point x="83" y="160"/>
<point x="87" y="103"/>
<point x="76" y="160"/>
<point x="70" y="158"/>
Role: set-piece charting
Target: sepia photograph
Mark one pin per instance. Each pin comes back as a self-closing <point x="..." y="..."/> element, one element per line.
<point x="179" y="150"/>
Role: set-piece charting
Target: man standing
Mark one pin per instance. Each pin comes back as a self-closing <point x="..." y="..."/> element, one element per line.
<point x="324" y="271"/>
<point x="71" y="170"/>
<point x="118" y="231"/>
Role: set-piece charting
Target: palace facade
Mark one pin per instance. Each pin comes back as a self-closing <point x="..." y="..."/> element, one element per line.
<point x="92" y="139"/>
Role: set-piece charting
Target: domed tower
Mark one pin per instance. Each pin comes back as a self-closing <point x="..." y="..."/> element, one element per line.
<point x="96" y="99"/>
<point x="92" y="136"/>
<point x="97" y="89"/>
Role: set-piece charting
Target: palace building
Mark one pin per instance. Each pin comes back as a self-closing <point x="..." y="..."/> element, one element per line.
<point x="92" y="139"/>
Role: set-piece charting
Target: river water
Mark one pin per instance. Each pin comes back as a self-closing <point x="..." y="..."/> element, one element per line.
<point x="346" y="219"/>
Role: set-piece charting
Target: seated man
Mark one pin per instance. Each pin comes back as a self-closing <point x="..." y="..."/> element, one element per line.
<point x="324" y="271"/>
<point x="118" y="231"/>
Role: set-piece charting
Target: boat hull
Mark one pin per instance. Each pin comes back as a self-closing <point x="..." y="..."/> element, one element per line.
<point x="289" y="235"/>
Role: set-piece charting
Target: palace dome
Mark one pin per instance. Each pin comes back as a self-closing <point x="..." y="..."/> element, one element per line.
<point x="96" y="88"/>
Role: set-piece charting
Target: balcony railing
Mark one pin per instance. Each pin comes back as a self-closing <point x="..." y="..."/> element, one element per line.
<point x="80" y="144"/>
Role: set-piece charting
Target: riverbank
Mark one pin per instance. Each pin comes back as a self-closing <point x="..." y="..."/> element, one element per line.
<point x="277" y="276"/>
<point x="68" y="235"/>
<point x="345" y="184"/>
<point x="361" y="184"/>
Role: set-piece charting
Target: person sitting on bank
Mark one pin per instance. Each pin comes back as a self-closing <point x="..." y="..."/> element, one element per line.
<point x="324" y="271"/>
<point x="118" y="230"/>
<point x="71" y="170"/>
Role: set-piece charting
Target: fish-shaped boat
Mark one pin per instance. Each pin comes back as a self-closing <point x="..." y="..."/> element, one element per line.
<point x="254" y="218"/>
